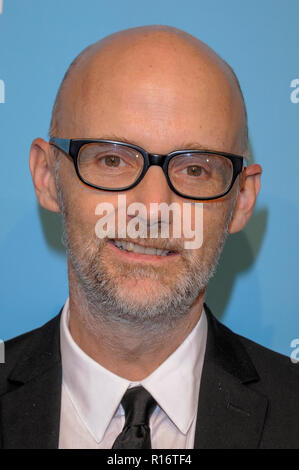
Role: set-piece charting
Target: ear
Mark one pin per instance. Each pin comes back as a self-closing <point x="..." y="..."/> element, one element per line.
<point x="249" y="188"/>
<point x="41" y="164"/>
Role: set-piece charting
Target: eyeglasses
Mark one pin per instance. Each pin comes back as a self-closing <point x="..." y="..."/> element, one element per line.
<point x="117" y="166"/>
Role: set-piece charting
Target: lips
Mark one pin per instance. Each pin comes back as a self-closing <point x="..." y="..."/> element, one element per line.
<point x="141" y="249"/>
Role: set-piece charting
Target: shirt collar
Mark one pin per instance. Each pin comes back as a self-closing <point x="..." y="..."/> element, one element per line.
<point x="96" y="392"/>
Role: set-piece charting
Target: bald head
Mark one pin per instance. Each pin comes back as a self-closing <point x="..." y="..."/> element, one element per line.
<point x="158" y="76"/>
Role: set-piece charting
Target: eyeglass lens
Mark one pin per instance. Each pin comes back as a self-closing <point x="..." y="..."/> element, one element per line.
<point x="114" y="166"/>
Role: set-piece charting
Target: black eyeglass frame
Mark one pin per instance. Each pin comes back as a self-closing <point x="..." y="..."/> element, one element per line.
<point x="71" y="147"/>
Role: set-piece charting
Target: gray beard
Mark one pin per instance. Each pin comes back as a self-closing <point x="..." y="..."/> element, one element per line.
<point x="101" y="298"/>
<point x="104" y="303"/>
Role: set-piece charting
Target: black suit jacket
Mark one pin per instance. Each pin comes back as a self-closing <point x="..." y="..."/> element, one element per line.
<point x="248" y="394"/>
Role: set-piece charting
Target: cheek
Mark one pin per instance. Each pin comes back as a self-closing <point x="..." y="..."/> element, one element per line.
<point x="81" y="201"/>
<point x="215" y="220"/>
<point x="85" y="208"/>
<point x="81" y="216"/>
<point x="209" y="218"/>
<point x="205" y="220"/>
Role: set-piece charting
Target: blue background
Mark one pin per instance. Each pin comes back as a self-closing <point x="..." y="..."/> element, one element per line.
<point x="255" y="291"/>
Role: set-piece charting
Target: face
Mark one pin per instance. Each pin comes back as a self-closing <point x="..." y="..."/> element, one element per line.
<point x="152" y="104"/>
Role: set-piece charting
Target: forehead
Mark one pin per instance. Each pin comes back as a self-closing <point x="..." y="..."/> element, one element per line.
<point x="155" y="96"/>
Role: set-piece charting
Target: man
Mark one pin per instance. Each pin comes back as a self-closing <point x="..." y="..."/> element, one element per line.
<point x="135" y="359"/>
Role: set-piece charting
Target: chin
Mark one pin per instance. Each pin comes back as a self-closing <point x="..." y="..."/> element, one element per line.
<point x="141" y="290"/>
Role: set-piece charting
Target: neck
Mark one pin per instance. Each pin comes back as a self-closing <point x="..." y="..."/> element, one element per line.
<point x="124" y="350"/>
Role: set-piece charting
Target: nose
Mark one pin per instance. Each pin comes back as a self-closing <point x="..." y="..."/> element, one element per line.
<point x="153" y="188"/>
<point x="152" y="191"/>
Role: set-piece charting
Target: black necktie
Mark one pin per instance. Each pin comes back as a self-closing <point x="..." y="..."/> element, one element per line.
<point x="136" y="434"/>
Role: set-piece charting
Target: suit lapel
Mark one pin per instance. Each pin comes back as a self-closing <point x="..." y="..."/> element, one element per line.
<point x="230" y="414"/>
<point x="30" y="411"/>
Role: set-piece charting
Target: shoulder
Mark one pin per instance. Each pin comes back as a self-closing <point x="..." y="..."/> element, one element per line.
<point x="268" y="363"/>
<point x="15" y="346"/>
<point x="265" y="360"/>
<point x="32" y="346"/>
<point x="279" y="376"/>
<point x="268" y="372"/>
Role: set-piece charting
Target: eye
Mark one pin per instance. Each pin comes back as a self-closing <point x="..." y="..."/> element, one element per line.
<point x="194" y="170"/>
<point x="112" y="160"/>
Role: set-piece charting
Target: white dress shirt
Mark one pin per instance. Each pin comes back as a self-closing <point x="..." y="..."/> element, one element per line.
<point x="91" y="414"/>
